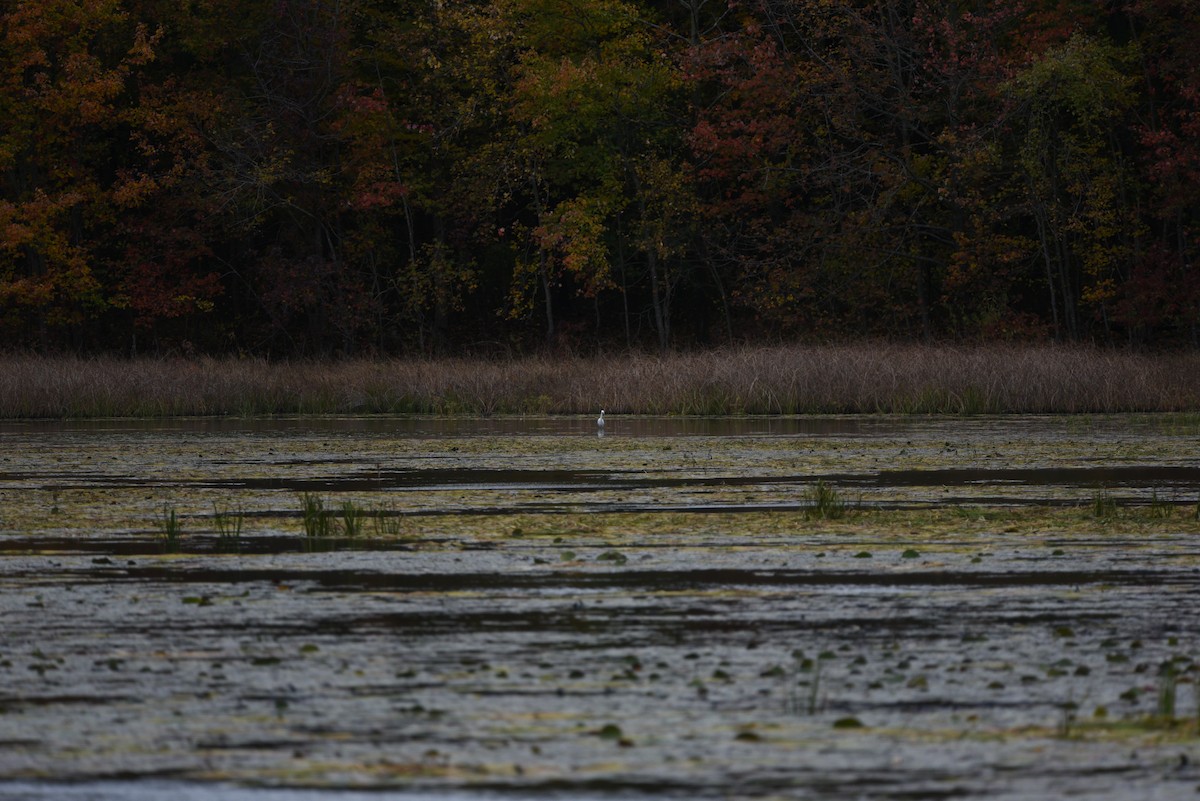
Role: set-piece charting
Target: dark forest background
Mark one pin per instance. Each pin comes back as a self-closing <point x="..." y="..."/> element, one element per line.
<point x="356" y="177"/>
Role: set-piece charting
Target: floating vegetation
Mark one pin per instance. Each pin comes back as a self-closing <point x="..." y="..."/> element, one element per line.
<point x="610" y="731"/>
<point x="676" y="621"/>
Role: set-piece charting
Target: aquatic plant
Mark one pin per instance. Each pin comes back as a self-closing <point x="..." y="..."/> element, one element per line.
<point x="812" y="700"/>
<point x="1067" y="719"/>
<point x="1160" y="509"/>
<point x="353" y="518"/>
<point x="1167" y="691"/>
<point x="824" y="502"/>
<point x="228" y="524"/>
<point x="1104" y="505"/>
<point x="314" y="517"/>
<point x="170" y="528"/>
<point x="387" y="523"/>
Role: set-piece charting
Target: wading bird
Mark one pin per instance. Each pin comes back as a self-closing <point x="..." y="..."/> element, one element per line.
<point x="600" y="420"/>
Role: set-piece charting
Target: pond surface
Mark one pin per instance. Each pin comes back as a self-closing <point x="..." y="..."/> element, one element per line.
<point x="1006" y="609"/>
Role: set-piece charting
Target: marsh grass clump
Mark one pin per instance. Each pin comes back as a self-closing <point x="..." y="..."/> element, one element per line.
<point x="1068" y="718"/>
<point x="824" y="502"/>
<point x="317" y="527"/>
<point x="170" y="528"/>
<point x="353" y="519"/>
<point x="1160" y="509"/>
<point x="228" y="525"/>
<point x="387" y="523"/>
<point x="810" y="704"/>
<point x="1168" y="688"/>
<point x="1104" y="505"/>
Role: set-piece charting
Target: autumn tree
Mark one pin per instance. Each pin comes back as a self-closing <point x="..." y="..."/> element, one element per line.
<point x="1162" y="292"/>
<point x="65" y="75"/>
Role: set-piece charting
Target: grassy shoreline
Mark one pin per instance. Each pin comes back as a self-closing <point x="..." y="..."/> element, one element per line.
<point x="829" y="379"/>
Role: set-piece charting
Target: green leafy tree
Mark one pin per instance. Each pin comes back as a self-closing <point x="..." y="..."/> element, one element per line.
<point x="588" y="120"/>
<point x="1070" y="104"/>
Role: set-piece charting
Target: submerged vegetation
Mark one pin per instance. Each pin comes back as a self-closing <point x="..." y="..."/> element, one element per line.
<point x="879" y="378"/>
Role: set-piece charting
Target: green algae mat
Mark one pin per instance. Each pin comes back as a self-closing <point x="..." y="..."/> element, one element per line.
<point x="809" y="607"/>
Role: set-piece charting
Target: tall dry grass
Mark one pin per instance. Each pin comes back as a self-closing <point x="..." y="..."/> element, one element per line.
<point x="770" y="380"/>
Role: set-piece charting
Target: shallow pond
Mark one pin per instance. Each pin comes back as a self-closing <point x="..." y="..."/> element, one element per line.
<point x="995" y="607"/>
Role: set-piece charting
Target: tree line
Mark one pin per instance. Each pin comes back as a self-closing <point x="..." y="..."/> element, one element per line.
<point x="348" y="177"/>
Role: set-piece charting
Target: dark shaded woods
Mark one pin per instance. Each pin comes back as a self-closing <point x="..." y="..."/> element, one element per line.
<point x="318" y="178"/>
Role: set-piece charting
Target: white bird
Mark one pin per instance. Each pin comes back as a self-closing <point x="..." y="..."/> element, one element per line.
<point x="600" y="420"/>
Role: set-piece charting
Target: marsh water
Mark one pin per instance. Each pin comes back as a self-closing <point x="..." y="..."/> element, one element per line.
<point x="1001" y="607"/>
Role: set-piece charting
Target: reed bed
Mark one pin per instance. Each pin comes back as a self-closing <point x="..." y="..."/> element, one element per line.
<point x="859" y="378"/>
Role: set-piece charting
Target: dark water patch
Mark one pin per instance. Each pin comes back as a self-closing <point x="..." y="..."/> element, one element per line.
<point x="655" y="580"/>
<point x="195" y="544"/>
<point x="1143" y="476"/>
<point x="646" y="625"/>
<point x="18" y="702"/>
<point x="551" y="489"/>
<point x="157" y="790"/>
<point x="1148" y="476"/>
<point x="454" y="479"/>
<point x="51" y="545"/>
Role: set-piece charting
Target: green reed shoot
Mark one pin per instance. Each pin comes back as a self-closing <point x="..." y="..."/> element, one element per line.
<point x="1159" y="508"/>
<point x="814" y="690"/>
<point x="387" y="523"/>
<point x="170" y="529"/>
<point x="314" y="517"/>
<point x="228" y="524"/>
<point x="353" y="518"/>
<point x="1167" y="692"/>
<point x="1104" y="505"/>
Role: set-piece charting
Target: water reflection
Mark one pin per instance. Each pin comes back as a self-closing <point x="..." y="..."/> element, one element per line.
<point x="636" y="426"/>
<point x="620" y="426"/>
